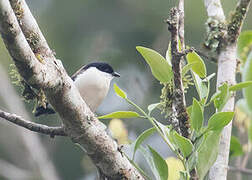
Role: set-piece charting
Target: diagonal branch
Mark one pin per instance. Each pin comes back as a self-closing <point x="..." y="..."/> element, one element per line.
<point x="39" y="128"/>
<point x="178" y="105"/>
<point x="237" y="18"/>
<point x="31" y="30"/>
<point x="48" y="74"/>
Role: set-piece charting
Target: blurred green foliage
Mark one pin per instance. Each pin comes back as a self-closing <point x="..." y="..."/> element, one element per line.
<point x="82" y="31"/>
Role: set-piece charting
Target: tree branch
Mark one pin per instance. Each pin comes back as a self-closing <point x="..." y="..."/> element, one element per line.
<point x="40" y="162"/>
<point x="214" y="9"/>
<point x="39" y="128"/>
<point x="237" y="18"/>
<point x="222" y="38"/>
<point x="80" y="123"/>
<point x="181" y="29"/>
<point x="178" y="105"/>
<point x="31" y="30"/>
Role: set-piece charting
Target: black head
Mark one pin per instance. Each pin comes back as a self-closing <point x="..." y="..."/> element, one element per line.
<point x="104" y="67"/>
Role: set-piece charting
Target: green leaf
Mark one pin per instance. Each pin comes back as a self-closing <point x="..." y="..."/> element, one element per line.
<point x="196" y="116"/>
<point x="235" y="147"/>
<point x="137" y="167"/>
<point x="168" y="56"/>
<point x="207" y="152"/>
<point x="160" y="164"/>
<point x="151" y="107"/>
<point x="247" y="76"/>
<point x="240" y="86"/>
<point x="167" y="132"/>
<point x="208" y="78"/>
<point x="244" y="44"/>
<point x="184" y="144"/>
<point x="201" y="87"/>
<point x="120" y="115"/>
<point x="160" y="68"/>
<point x="192" y="161"/>
<point x="219" y="120"/>
<point x="119" y="92"/>
<point x="186" y="68"/>
<point x="221" y="97"/>
<point x="144" y="135"/>
<point x="156" y="163"/>
<point x="183" y="175"/>
<point x="199" y="66"/>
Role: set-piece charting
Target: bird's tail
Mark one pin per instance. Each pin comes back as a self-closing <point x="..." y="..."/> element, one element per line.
<point x="42" y="110"/>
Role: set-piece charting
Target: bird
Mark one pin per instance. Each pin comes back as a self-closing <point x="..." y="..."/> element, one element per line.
<point x="92" y="81"/>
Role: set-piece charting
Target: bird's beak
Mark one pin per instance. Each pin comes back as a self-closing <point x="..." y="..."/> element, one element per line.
<point x="115" y="74"/>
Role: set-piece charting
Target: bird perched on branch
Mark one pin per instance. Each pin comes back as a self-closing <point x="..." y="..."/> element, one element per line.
<point x="92" y="81"/>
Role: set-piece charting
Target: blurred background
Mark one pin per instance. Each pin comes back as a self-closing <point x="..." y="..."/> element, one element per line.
<point x="80" y="32"/>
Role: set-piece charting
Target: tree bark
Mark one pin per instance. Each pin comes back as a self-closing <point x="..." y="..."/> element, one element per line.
<point x="43" y="71"/>
<point x="227" y="36"/>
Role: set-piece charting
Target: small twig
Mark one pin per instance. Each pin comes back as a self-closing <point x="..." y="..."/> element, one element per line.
<point x="178" y="105"/>
<point x="181" y="30"/>
<point x="242" y="170"/>
<point x="40" y="128"/>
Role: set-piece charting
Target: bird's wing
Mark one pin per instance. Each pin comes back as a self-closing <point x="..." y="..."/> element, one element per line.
<point x="81" y="70"/>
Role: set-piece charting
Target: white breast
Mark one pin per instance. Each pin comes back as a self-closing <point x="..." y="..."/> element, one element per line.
<point x="93" y="86"/>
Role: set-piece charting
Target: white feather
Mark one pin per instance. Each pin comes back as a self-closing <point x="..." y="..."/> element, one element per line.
<point x="93" y="86"/>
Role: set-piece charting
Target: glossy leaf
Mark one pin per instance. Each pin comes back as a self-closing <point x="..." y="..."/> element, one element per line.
<point x="208" y="78"/>
<point x="151" y="107"/>
<point x="160" y="68"/>
<point x="186" y="68"/>
<point x="192" y="161"/>
<point x="166" y="131"/>
<point x="235" y="147"/>
<point x="247" y="76"/>
<point x="207" y="152"/>
<point x="119" y="92"/>
<point x="120" y="115"/>
<point x="137" y="167"/>
<point x="160" y="164"/>
<point x="148" y="155"/>
<point x="175" y="166"/>
<point x="221" y="97"/>
<point x="244" y="44"/>
<point x="144" y="135"/>
<point x="199" y="66"/>
<point x="201" y="87"/>
<point x="184" y="144"/>
<point x="196" y="116"/>
<point x="183" y="175"/>
<point x="240" y="86"/>
<point x="219" y="120"/>
<point x="168" y="56"/>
